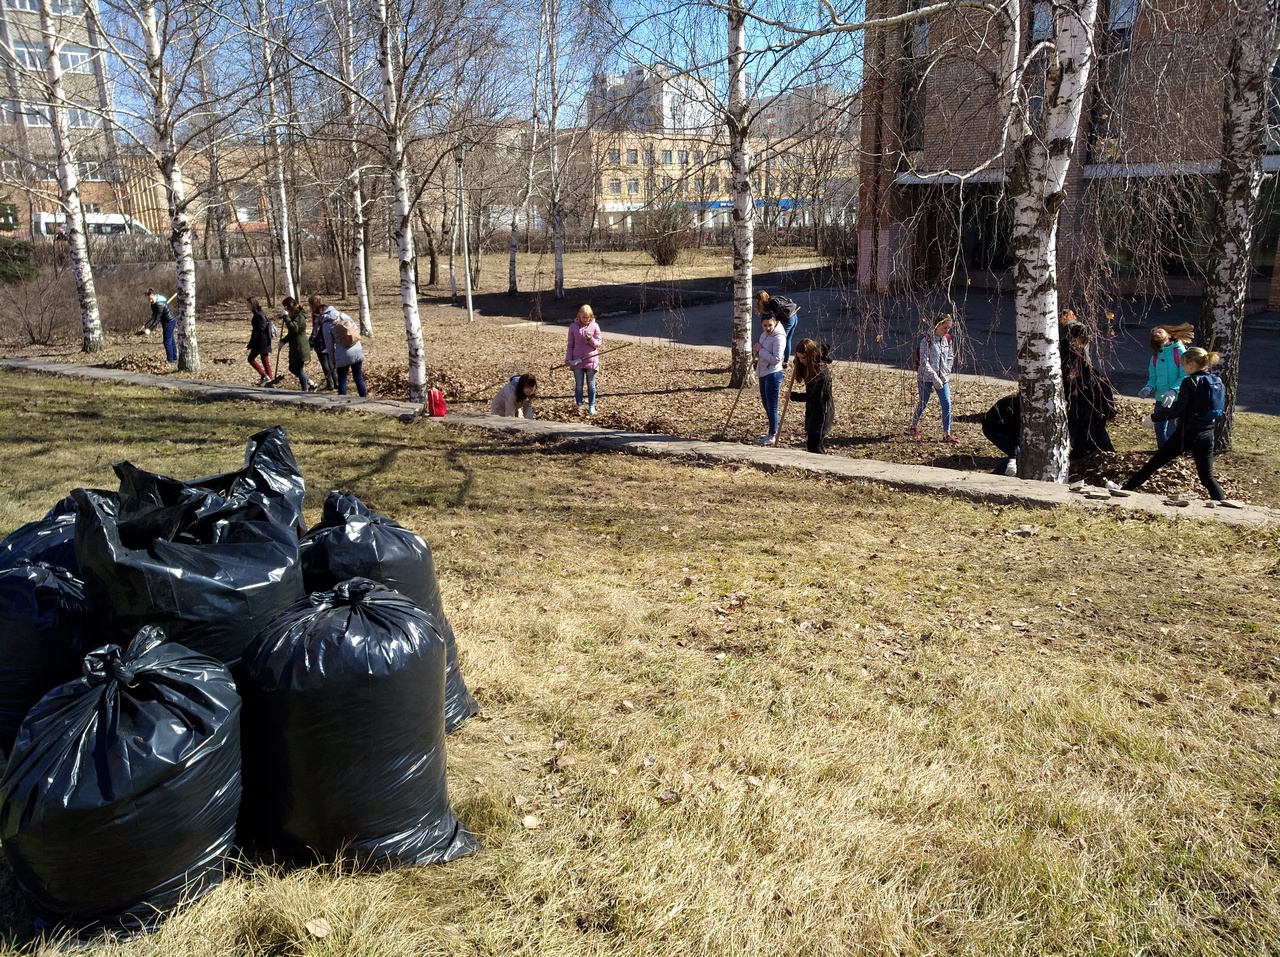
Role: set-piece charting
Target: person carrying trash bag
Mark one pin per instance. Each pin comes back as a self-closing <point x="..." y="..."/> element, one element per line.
<point x="344" y="742"/>
<point x="353" y="541"/>
<point x="120" y="798"/>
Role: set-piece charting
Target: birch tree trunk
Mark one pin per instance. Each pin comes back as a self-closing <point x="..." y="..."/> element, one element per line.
<point x="551" y="30"/>
<point x="218" y="199"/>
<point x="175" y="194"/>
<point x="402" y="226"/>
<point x="1255" y="44"/>
<point x="1037" y="183"/>
<point x="279" y="192"/>
<point x="357" y="193"/>
<point x="741" y="371"/>
<point x="69" y="184"/>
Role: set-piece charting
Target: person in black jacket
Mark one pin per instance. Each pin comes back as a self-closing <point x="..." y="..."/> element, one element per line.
<point x="1002" y="425"/>
<point x="1091" y="400"/>
<point x="1195" y="429"/>
<point x="260" y="342"/>
<point x="813" y="368"/>
<point x="162" y="317"/>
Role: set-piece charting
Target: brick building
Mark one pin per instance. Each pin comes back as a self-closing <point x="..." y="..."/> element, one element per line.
<point x="27" y="154"/>
<point x="1139" y="197"/>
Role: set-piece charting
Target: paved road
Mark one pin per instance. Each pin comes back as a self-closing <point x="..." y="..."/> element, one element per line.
<point x="882" y="329"/>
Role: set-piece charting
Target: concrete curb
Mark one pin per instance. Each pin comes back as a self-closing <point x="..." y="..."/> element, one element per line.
<point x="978" y="486"/>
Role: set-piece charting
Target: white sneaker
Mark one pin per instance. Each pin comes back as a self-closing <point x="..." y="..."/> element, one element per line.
<point x="1011" y="468"/>
<point x="766" y="440"/>
<point x="1110" y="486"/>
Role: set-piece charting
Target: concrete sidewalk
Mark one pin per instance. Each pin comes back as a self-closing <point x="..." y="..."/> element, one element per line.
<point x="978" y="486"/>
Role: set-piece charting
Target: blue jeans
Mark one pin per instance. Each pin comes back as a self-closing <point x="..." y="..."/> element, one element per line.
<point x="357" y="372"/>
<point x="944" y="399"/>
<point x="1165" y="429"/>
<point x="770" y="386"/>
<point x="170" y="346"/>
<point x="588" y="376"/>
<point x="789" y="327"/>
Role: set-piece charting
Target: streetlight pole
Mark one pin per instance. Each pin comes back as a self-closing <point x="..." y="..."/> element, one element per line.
<point x="460" y="154"/>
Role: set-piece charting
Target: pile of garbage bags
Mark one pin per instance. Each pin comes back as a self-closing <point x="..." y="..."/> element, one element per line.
<point x="184" y="667"/>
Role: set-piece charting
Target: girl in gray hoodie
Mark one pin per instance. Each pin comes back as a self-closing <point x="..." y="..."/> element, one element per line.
<point x="934" y="360"/>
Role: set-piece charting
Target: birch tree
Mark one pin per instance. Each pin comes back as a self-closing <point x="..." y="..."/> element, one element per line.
<point x="68" y="180"/>
<point x="272" y="62"/>
<point x="743" y="199"/>
<point x="1253" y="49"/>
<point x="160" y="48"/>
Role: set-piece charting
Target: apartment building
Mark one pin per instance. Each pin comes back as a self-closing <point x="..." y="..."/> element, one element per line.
<point x="27" y="154"/>
<point x="797" y="181"/>
<point x="646" y="156"/>
<point x="1139" y="196"/>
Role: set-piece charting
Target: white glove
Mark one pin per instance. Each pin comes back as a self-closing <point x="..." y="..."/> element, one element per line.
<point x="1146" y="392"/>
<point x="1168" y="398"/>
<point x="1148" y="421"/>
<point x="146" y="332"/>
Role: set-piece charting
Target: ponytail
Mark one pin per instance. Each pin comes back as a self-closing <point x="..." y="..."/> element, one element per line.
<point x="1202" y="358"/>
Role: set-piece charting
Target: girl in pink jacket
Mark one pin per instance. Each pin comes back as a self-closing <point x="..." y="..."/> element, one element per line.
<point x="581" y="355"/>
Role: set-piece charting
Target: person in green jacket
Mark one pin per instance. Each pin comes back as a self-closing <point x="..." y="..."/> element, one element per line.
<point x="1165" y="376"/>
<point x="295" y="322"/>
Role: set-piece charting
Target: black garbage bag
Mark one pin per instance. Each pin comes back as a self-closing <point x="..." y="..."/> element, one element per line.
<point x="344" y="743"/>
<point x="44" y="612"/>
<point x="121" y="796"/>
<point x="51" y="540"/>
<point x="211" y="580"/>
<point x="353" y="541"/>
<point x="270" y="479"/>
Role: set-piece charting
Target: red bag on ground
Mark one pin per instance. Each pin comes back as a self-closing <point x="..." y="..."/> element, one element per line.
<point x="435" y="403"/>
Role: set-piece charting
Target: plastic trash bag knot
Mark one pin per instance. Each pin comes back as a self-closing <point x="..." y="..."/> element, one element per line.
<point x="355" y="591"/>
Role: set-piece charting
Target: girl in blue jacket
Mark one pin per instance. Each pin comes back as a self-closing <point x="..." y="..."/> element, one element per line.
<point x="1168" y="343"/>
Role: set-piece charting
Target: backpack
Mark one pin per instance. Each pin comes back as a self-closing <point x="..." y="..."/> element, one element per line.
<point x="789" y="306"/>
<point x="1211" y="397"/>
<point x="435" y="403"/>
<point x="346" y="330"/>
<point x="915" y="355"/>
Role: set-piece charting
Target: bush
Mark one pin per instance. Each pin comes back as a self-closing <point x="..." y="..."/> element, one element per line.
<point x="666" y="234"/>
<point x="16" y="260"/>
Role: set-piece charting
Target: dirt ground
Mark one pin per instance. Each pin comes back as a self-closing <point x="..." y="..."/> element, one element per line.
<point x="675" y="390"/>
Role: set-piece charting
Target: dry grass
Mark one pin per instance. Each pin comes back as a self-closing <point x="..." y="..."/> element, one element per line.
<point x="804" y="717"/>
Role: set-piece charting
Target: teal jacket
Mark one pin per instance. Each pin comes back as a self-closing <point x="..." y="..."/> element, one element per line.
<point x="1166" y="372"/>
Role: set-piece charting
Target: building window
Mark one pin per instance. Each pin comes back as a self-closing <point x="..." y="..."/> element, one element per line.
<point x="715" y="184"/>
<point x="697" y="157"/>
<point x="666" y="184"/>
<point x="90" y="172"/>
<point x="666" y="157"/>
<point x="8" y="217"/>
<point x="680" y="184"/>
<point x="633" y="187"/>
<point x="648" y="157"/>
<point x="682" y="157"/>
<point x="615" y="157"/>
<point x="1041" y="21"/>
<point x="713" y="158"/>
<point x="92" y="208"/>
<point x="82" y="119"/>
<point x="67" y="7"/>
<point x="615" y="187"/>
<point x="33" y="115"/>
<point x="633" y="157"/>
<point x="32" y="56"/>
<point x="1111" y="72"/>
<point x="1121" y="14"/>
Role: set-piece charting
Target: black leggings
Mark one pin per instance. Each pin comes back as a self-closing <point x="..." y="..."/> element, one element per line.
<point x="1199" y="444"/>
